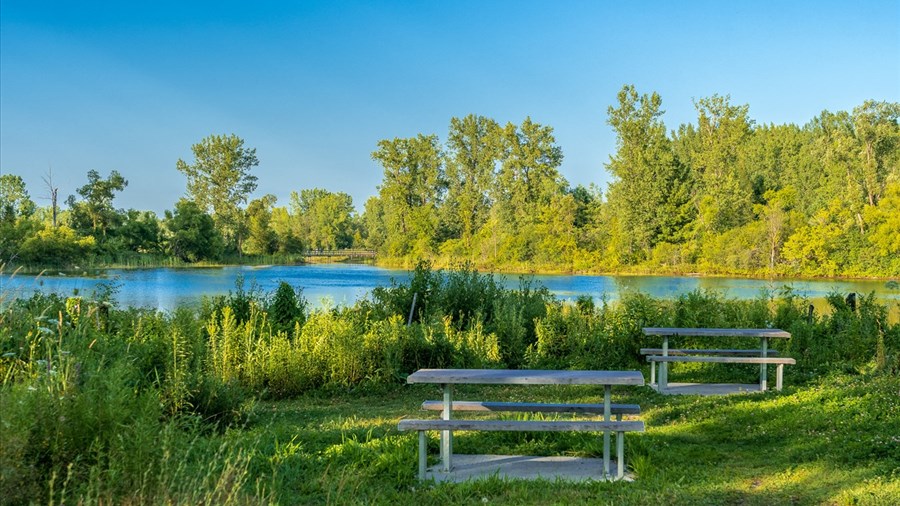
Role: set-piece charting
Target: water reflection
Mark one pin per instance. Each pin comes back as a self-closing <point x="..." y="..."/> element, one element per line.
<point x="341" y="284"/>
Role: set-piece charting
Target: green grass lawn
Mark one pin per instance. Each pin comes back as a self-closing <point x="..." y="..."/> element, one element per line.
<point x="836" y="441"/>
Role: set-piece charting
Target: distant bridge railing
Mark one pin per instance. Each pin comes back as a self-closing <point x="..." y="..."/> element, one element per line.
<point x="349" y="253"/>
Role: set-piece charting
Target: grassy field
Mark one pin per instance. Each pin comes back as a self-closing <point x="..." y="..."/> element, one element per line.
<point x="836" y="441"/>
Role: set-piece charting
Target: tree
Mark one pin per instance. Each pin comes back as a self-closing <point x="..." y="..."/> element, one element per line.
<point x="877" y="134"/>
<point x="219" y="181"/>
<point x="287" y="240"/>
<point x="192" y="233"/>
<point x="884" y="220"/>
<point x="411" y="192"/>
<point x="261" y="239"/>
<point x="777" y="217"/>
<point x="326" y="220"/>
<point x="95" y="210"/>
<point x="527" y="183"/>
<point x="140" y="232"/>
<point x="650" y="191"/>
<point x="473" y="150"/>
<point x="723" y="193"/>
<point x="16" y="210"/>
<point x="15" y="203"/>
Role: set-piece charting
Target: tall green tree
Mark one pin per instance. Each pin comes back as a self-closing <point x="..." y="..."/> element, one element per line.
<point x="877" y="136"/>
<point x="325" y="220"/>
<point x="95" y="210"/>
<point x="220" y="181"/>
<point x="722" y="191"/>
<point x="261" y="239"/>
<point x="411" y="192"/>
<point x="649" y="194"/>
<point x="287" y="239"/>
<point x="473" y="151"/>
<point x="16" y="210"/>
<point x="15" y="203"/>
<point x="527" y="183"/>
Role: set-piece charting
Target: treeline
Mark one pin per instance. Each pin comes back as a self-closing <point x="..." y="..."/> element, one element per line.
<point x="722" y="195"/>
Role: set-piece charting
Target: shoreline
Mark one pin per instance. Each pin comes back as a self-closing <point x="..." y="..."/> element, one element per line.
<point x="97" y="271"/>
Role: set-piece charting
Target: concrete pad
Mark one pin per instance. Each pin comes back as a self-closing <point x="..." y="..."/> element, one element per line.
<point x="519" y="467"/>
<point x="707" y="388"/>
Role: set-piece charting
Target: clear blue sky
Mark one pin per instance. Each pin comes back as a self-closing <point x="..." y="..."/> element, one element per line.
<point x="132" y="85"/>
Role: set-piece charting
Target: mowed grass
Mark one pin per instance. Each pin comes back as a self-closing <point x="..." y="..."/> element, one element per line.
<point x="836" y="441"/>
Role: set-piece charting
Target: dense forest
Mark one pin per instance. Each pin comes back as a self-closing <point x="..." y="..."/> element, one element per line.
<point x="722" y="195"/>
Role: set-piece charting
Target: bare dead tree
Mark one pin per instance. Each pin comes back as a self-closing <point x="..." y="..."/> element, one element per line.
<point x="52" y="193"/>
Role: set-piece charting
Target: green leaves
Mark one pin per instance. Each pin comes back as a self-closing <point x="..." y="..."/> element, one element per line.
<point x="219" y="180"/>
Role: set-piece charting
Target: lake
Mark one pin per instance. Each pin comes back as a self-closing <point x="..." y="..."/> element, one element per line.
<point x="340" y="284"/>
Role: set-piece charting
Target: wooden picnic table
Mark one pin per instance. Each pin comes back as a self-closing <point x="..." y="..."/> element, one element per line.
<point x="449" y="377"/>
<point x="763" y="334"/>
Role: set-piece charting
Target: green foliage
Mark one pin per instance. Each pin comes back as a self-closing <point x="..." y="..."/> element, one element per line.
<point x="261" y="238"/>
<point x="287" y="308"/>
<point x="219" y="181"/>
<point x="414" y="183"/>
<point x="94" y="213"/>
<point x="15" y="203"/>
<point x="192" y="235"/>
<point x="323" y="220"/>
<point x="56" y="246"/>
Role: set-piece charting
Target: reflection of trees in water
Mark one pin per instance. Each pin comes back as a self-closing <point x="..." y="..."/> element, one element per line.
<point x="656" y="286"/>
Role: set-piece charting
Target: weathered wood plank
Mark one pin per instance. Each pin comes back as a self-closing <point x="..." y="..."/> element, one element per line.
<point x="685" y="351"/>
<point x="725" y="360"/>
<point x="675" y="331"/>
<point x="525" y="377"/>
<point x="520" y="426"/>
<point x="533" y="407"/>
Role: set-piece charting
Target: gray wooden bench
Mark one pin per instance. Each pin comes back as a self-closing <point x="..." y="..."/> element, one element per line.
<point x="619" y="427"/>
<point x="449" y="377"/>
<point x="730" y="356"/>
<point x="779" y="362"/>
<point x="708" y="352"/>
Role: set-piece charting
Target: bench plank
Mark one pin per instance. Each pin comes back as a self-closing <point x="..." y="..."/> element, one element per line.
<point x="687" y="351"/>
<point x="533" y="407"/>
<point x="519" y="425"/>
<point x="725" y="360"/>
<point x="525" y="377"/>
<point x="672" y="331"/>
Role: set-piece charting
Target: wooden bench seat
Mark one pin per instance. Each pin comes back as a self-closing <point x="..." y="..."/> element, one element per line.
<point x="534" y="407"/>
<point x="685" y="351"/>
<point x="780" y="362"/>
<point x="619" y="427"/>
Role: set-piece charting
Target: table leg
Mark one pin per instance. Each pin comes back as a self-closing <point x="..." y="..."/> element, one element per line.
<point x="446" y="435"/>
<point x="423" y="456"/>
<point x="762" y="367"/>
<point x="620" y="455"/>
<point x="664" y="367"/>
<point x="606" y="418"/>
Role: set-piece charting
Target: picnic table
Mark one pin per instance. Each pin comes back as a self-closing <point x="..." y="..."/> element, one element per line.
<point x="760" y="356"/>
<point x="449" y="377"/>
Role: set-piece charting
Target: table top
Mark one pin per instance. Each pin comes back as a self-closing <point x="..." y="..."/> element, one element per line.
<point x="526" y="377"/>
<point x="770" y="333"/>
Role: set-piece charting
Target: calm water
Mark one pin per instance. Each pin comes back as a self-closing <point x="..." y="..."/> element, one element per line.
<point x="165" y="289"/>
